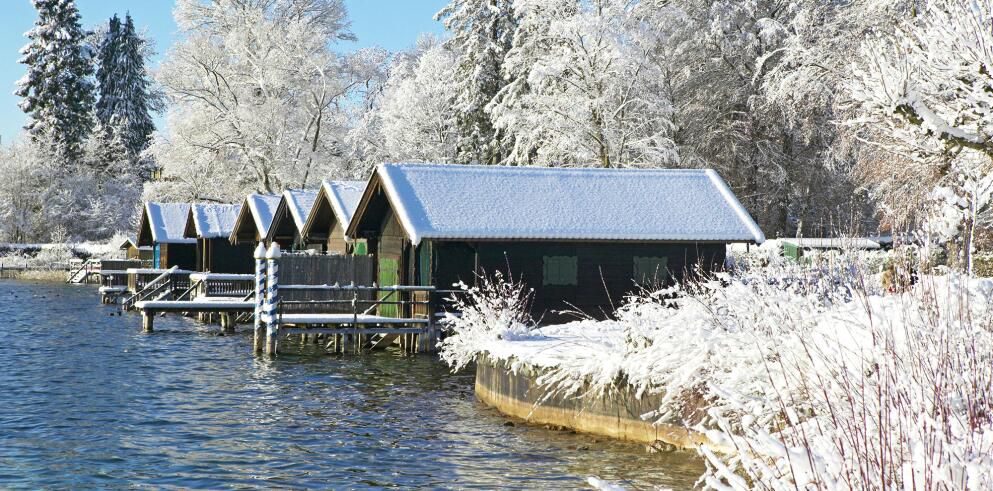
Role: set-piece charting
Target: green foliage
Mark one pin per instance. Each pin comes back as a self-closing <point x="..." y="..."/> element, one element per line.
<point x="126" y="101"/>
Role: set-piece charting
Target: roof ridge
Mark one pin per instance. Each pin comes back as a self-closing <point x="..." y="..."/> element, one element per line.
<point x="535" y="168"/>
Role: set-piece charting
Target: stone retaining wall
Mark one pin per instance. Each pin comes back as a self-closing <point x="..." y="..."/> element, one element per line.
<point x="617" y="415"/>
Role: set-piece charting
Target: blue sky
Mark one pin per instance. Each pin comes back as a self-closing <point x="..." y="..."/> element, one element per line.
<point x="392" y="24"/>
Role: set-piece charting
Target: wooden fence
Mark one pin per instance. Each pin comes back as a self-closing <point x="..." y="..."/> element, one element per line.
<point x="303" y="269"/>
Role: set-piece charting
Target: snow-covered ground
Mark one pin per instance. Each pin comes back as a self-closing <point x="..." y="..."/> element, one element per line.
<point x="48" y="254"/>
<point x="822" y="378"/>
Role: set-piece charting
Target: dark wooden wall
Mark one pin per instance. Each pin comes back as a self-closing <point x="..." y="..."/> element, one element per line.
<point x="605" y="272"/>
<point x="119" y="264"/>
<point x="182" y="255"/>
<point x="223" y="257"/>
<point x="284" y="230"/>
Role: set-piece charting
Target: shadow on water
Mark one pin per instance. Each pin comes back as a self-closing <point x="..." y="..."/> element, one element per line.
<point x="90" y="402"/>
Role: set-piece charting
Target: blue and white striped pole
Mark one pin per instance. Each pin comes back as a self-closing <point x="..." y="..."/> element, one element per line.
<point x="260" y="284"/>
<point x="272" y="300"/>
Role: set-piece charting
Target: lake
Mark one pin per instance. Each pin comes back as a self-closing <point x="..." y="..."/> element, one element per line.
<point x="88" y="401"/>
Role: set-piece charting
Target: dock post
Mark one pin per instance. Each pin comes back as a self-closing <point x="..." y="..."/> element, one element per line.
<point x="260" y="282"/>
<point x="147" y="320"/>
<point x="272" y="300"/>
<point x="432" y="321"/>
<point x="227" y="320"/>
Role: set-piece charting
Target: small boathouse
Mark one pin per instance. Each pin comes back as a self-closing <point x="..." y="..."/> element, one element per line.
<point x="581" y="238"/>
<point x="162" y="227"/>
<point x="254" y="218"/>
<point x="211" y="226"/>
<point x="333" y="210"/>
<point x="289" y="218"/>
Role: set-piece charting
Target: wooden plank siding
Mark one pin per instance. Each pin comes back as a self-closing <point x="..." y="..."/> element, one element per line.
<point x="182" y="255"/>
<point x="324" y="230"/>
<point x="220" y="256"/>
<point x="605" y="270"/>
<point x="304" y="269"/>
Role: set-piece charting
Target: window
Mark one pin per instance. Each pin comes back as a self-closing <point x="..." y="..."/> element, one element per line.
<point x="651" y="270"/>
<point x="559" y="270"/>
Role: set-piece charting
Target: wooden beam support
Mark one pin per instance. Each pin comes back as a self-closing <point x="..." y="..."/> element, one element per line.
<point x="147" y="321"/>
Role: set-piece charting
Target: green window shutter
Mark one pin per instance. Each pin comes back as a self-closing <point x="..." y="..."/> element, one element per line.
<point x="651" y="270"/>
<point x="560" y="270"/>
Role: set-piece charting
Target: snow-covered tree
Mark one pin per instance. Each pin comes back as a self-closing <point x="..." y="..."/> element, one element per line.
<point x="126" y="100"/>
<point x="25" y="171"/>
<point x="258" y="93"/>
<point x="582" y="89"/>
<point x="481" y="34"/>
<point x="924" y="87"/>
<point x="416" y="114"/>
<point x="90" y="203"/>
<point x="57" y="93"/>
<point x="752" y="86"/>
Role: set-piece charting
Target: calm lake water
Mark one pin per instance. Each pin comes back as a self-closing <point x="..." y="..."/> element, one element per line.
<point x="88" y="402"/>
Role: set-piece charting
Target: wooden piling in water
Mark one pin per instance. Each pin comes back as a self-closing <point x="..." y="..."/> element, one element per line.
<point x="227" y="320"/>
<point x="272" y="300"/>
<point x="147" y="320"/>
<point x="260" y="292"/>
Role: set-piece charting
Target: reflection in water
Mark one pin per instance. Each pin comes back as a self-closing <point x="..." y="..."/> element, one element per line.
<point x="90" y="402"/>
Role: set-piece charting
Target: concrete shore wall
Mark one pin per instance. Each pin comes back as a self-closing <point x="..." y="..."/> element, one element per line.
<point x="617" y="415"/>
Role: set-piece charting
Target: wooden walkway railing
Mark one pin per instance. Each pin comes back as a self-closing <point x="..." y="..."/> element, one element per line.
<point x="350" y="315"/>
<point x="164" y="284"/>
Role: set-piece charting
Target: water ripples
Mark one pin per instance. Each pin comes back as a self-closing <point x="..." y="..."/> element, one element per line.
<point x="88" y="402"/>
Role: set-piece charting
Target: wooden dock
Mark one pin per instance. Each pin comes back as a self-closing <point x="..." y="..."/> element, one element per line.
<point x="341" y="314"/>
<point x="97" y="270"/>
<point x="343" y="317"/>
<point x="224" y="297"/>
<point x="357" y="318"/>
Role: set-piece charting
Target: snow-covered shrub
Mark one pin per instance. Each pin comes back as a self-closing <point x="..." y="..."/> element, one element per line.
<point x="891" y="392"/>
<point x="495" y="309"/>
<point x="56" y="253"/>
<point x="817" y="374"/>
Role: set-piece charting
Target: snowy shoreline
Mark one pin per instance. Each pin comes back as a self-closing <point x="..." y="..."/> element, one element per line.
<point x="822" y="366"/>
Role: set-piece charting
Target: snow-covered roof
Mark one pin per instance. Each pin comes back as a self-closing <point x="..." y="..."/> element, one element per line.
<point x="344" y="197"/>
<point x="214" y="221"/>
<point x="300" y="202"/>
<point x="167" y="222"/>
<point x="832" y="243"/>
<point x="434" y="201"/>
<point x="128" y="243"/>
<point x="263" y="207"/>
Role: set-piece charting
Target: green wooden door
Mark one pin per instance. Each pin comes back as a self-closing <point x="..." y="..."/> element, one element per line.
<point x="791" y="251"/>
<point x="388" y="275"/>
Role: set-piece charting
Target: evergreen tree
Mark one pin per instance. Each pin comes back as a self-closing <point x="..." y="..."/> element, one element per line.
<point x="57" y="92"/>
<point x="125" y="99"/>
<point x="482" y="31"/>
